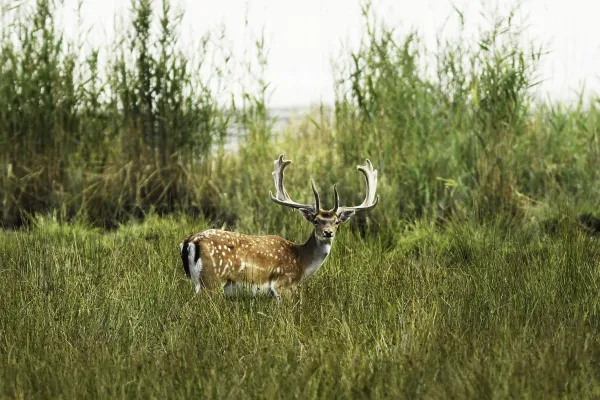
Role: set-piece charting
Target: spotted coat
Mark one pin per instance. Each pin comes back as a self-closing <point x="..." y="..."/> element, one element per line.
<point x="229" y="257"/>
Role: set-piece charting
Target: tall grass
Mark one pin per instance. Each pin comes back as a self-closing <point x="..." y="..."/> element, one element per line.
<point x="462" y="138"/>
<point x="454" y="131"/>
<point x="468" y="311"/>
<point x="102" y="145"/>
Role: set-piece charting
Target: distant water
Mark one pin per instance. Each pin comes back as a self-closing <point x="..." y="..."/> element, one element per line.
<point x="281" y="118"/>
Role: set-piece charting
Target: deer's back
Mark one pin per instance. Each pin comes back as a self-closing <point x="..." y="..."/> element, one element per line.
<point x="255" y="260"/>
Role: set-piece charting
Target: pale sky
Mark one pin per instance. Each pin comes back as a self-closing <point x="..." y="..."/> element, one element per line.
<point x="304" y="36"/>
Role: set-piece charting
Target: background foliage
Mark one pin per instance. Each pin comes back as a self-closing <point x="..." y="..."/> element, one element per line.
<point x="105" y="142"/>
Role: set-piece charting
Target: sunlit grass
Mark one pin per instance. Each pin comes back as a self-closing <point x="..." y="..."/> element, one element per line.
<point x="459" y="311"/>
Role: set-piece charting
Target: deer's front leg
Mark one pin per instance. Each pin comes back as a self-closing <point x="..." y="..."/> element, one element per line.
<point x="273" y="292"/>
<point x="282" y="291"/>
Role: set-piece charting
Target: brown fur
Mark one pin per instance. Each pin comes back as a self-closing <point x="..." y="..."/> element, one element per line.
<point x="233" y="257"/>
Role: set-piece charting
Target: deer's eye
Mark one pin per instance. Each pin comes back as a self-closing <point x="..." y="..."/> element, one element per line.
<point x="316" y="222"/>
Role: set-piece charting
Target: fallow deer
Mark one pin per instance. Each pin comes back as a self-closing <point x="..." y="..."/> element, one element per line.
<point x="216" y="259"/>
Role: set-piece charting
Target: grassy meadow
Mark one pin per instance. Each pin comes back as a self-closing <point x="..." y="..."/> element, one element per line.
<point x="458" y="312"/>
<point x="477" y="275"/>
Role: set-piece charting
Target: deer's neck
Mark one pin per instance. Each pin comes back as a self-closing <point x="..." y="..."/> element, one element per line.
<point x="313" y="253"/>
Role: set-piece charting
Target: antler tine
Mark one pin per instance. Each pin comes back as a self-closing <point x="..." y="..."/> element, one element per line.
<point x="316" y="193"/>
<point x="371" y="198"/>
<point x="281" y="196"/>
<point x="336" y="199"/>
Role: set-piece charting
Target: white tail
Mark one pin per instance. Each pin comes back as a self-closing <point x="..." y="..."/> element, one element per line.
<point x="270" y="264"/>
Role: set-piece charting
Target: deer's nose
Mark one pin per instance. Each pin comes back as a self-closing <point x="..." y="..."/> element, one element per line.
<point x="328" y="234"/>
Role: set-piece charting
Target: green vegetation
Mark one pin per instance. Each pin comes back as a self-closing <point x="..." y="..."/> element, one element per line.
<point x="143" y="132"/>
<point x="463" y="311"/>
<point x="476" y="276"/>
<point x="102" y="146"/>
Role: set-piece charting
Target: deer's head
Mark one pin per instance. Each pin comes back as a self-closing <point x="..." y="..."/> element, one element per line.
<point x="325" y="221"/>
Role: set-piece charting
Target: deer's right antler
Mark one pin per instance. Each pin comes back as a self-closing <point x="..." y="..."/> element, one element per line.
<point x="371" y="198"/>
<point x="282" y="197"/>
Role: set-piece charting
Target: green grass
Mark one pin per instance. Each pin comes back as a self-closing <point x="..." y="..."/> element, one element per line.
<point x="467" y="281"/>
<point x="466" y="311"/>
<point x="137" y="127"/>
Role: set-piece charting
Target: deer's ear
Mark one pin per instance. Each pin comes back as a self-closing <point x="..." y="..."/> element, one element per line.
<point x="308" y="214"/>
<point x="345" y="216"/>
